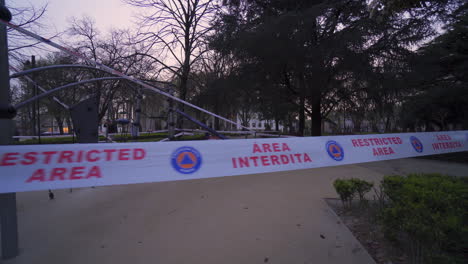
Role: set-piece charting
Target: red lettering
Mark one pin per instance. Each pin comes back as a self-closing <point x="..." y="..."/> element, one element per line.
<point x="361" y="142"/>
<point x="355" y="143"/>
<point x="266" y="148"/>
<point x="399" y="141"/>
<point x="384" y="141"/>
<point x="380" y="151"/>
<point x="9" y="157"/>
<point x="256" y="148"/>
<point x="76" y="173"/>
<point x="275" y="159"/>
<point x="265" y="160"/>
<point x="292" y="158"/>
<point x="91" y="159"/>
<point x="37" y="175"/>
<point x="109" y="153"/>
<point x="298" y="157"/>
<point x="385" y="151"/>
<point x="123" y="154"/>
<point x="276" y="147"/>
<point x="244" y="162"/>
<point x="443" y="137"/>
<point x="65" y="155"/>
<point x="29" y="158"/>
<point x="307" y="158"/>
<point x="284" y="159"/>
<point x="234" y="164"/>
<point x="139" y="154"/>
<point x="80" y="156"/>
<point x="286" y="147"/>
<point x="48" y="156"/>
<point x="391" y="150"/>
<point x="254" y="158"/>
<point x="94" y="172"/>
<point x="57" y="173"/>
<point x="375" y="152"/>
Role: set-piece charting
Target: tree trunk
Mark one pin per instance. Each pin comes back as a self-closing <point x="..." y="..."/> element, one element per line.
<point x="301" y="106"/>
<point x="290" y="127"/>
<point x="183" y="96"/>
<point x="185" y="70"/>
<point x="428" y="126"/>
<point x="69" y="125"/>
<point x="357" y="124"/>
<point x="387" y="125"/>
<point x="316" y="112"/>
<point x="59" y="124"/>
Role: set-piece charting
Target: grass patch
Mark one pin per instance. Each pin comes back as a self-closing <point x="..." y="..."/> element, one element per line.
<point x="141" y="138"/>
<point x="52" y="140"/>
<point x="191" y="137"/>
<point x="60" y="140"/>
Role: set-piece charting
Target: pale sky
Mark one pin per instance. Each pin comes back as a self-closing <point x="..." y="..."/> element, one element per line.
<point x="106" y="13"/>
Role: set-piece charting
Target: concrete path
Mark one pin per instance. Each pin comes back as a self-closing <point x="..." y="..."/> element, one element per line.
<point x="413" y="165"/>
<point x="263" y="218"/>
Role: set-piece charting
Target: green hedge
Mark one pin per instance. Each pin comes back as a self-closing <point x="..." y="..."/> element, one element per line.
<point x="51" y="140"/>
<point x="143" y="137"/>
<point x="425" y="214"/>
<point x="347" y="189"/>
<point x="428" y="213"/>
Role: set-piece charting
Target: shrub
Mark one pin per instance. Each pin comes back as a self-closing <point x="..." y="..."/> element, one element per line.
<point x="361" y="187"/>
<point x="430" y="211"/>
<point x="348" y="188"/>
<point x="345" y="190"/>
<point x="392" y="186"/>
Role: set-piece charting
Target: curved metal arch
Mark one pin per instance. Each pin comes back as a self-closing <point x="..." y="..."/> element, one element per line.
<point x="60" y="66"/>
<point x="42" y="89"/>
<point x="32" y="99"/>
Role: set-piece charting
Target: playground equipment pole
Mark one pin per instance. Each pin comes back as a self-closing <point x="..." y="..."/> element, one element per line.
<point x="8" y="218"/>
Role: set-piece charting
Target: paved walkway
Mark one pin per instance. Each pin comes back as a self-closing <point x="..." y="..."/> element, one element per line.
<point x="264" y="218"/>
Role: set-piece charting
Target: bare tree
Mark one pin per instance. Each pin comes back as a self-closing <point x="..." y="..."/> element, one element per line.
<point x="173" y="34"/>
<point x="29" y="17"/>
<point x="112" y="50"/>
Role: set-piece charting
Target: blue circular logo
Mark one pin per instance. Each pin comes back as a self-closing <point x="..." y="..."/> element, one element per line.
<point x="417" y="145"/>
<point x="335" y="151"/>
<point x="186" y="160"/>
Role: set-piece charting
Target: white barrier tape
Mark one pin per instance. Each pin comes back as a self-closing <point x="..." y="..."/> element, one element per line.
<point x="111" y="70"/>
<point x="42" y="167"/>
